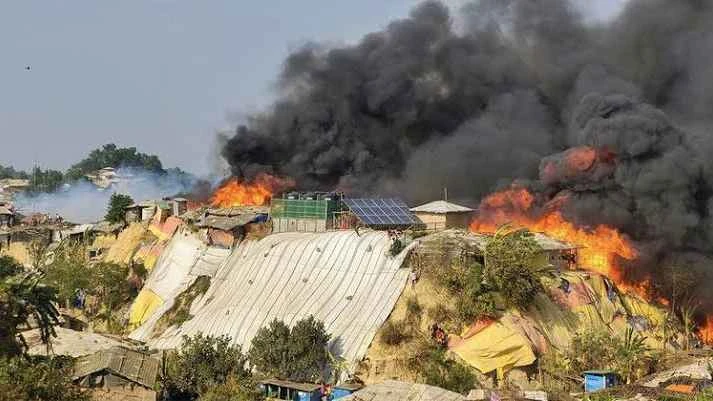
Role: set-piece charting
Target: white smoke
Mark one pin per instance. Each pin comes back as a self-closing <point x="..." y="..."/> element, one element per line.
<point x="84" y="202"/>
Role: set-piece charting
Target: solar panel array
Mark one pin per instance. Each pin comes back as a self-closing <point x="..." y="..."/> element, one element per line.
<point x="382" y="212"/>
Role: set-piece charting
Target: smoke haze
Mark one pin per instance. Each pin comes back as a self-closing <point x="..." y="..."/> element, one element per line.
<point x="83" y="202"/>
<point x="417" y="107"/>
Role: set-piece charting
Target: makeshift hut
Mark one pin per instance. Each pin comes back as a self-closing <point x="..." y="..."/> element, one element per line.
<point x="119" y="374"/>
<point x="226" y="227"/>
<point x="441" y="215"/>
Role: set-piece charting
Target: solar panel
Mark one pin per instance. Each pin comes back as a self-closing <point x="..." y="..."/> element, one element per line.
<point x="382" y="212"/>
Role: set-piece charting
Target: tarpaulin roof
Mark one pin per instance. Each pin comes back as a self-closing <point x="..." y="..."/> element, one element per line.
<point x="392" y="390"/>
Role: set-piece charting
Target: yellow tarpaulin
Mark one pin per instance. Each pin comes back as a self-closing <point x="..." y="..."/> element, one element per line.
<point x="496" y="346"/>
<point x="142" y="308"/>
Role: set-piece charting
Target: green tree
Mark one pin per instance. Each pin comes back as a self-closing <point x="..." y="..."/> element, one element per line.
<point x="111" y="155"/>
<point x="68" y="272"/>
<point x="201" y="364"/>
<point x="45" y="180"/>
<point x="308" y="350"/>
<point x="510" y="266"/>
<point x="38" y="379"/>
<point x="299" y="354"/>
<point x="23" y="299"/>
<point x="115" y="210"/>
<point x="10" y="172"/>
<point x="109" y="282"/>
<point x="269" y="351"/>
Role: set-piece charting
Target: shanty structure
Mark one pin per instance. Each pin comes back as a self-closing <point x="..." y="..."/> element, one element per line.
<point x="441" y="215"/>
<point x="13" y="185"/>
<point x="290" y="391"/>
<point x="226" y="227"/>
<point x="558" y="254"/>
<point x="392" y="390"/>
<point x="305" y="211"/>
<point x="119" y="374"/>
<point x="7" y="216"/>
<point x="378" y="214"/>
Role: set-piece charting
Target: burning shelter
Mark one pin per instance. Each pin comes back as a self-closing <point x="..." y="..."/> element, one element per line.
<point x="558" y="254"/>
<point x="119" y="373"/>
<point x="442" y="215"/>
<point x="305" y="212"/>
<point x="225" y="227"/>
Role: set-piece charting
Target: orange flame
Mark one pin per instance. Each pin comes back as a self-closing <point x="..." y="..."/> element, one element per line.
<point x="705" y="330"/>
<point x="601" y="247"/>
<point x="242" y="193"/>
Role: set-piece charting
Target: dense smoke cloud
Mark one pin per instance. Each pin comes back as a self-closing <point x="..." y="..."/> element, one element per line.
<point x="83" y="202"/>
<point x="419" y="106"/>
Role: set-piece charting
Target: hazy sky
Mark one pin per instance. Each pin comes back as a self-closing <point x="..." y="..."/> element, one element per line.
<point x="161" y="75"/>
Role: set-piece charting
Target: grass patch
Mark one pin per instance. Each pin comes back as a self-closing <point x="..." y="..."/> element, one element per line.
<point x="180" y="311"/>
<point x="393" y="333"/>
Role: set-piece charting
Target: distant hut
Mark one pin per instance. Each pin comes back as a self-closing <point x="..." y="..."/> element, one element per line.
<point x="226" y="227"/>
<point x="442" y="215"/>
<point x="118" y="374"/>
<point x="7" y="217"/>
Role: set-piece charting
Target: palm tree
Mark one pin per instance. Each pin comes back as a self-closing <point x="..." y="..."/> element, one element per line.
<point x="24" y="301"/>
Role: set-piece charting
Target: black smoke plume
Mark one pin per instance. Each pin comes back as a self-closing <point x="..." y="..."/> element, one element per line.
<point x="420" y="106"/>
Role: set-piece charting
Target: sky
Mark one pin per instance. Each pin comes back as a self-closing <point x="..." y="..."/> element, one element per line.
<point x="160" y="75"/>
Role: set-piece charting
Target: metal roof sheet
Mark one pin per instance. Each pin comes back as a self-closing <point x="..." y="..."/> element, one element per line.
<point x="306" y="387"/>
<point x="132" y="365"/>
<point x="441" y="207"/>
<point x="227" y="223"/>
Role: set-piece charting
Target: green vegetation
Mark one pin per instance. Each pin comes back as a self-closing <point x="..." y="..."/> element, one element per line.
<point x="22" y="299"/>
<point x="628" y="355"/>
<point x="394" y="333"/>
<point x="439" y="370"/>
<point x="10" y="172"/>
<point x="299" y="354"/>
<point x="509" y="267"/>
<point x="209" y="368"/>
<point x="68" y="272"/>
<point x="115" y="209"/>
<point x="111" y="155"/>
<point x="38" y="379"/>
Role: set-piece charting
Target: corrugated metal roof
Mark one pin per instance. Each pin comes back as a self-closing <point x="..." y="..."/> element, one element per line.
<point x="441" y="207"/>
<point x="238" y="210"/>
<point x="227" y="223"/>
<point x="306" y="387"/>
<point x="392" y="390"/>
<point x="135" y="366"/>
<point x="348" y="281"/>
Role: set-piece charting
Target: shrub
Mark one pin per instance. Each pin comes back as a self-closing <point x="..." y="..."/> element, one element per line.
<point x="202" y="363"/>
<point x="437" y="369"/>
<point x="413" y="310"/>
<point x="115" y="209"/>
<point x="234" y="390"/>
<point x="299" y="354"/>
<point x="393" y="333"/>
<point x="38" y="379"/>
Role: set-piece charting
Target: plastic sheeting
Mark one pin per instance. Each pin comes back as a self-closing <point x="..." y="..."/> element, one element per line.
<point x="496" y="346"/>
<point x="346" y="280"/>
<point x="184" y="259"/>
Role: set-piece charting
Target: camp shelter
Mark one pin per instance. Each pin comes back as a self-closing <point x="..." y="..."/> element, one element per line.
<point x="290" y="391"/>
<point x="496" y="346"/>
<point x="226" y="227"/>
<point x="441" y="215"/>
<point x="118" y="374"/>
<point x="558" y="254"/>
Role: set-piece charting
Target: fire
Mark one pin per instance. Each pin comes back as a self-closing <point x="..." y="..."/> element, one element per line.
<point x="705" y="330"/>
<point x="581" y="158"/>
<point x="601" y="247"/>
<point x="242" y="193"/>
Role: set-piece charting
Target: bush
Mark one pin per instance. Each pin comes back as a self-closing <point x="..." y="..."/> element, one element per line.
<point x="201" y="364"/>
<point x="413" y="309"/>
<point x="299" y="354"/>
<point x="393" y="333"/>
<point x="437" y="369"/>
<point x="38" y="379"/>
<point x="510" y="266"/>
<point x="234" y="390"/>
